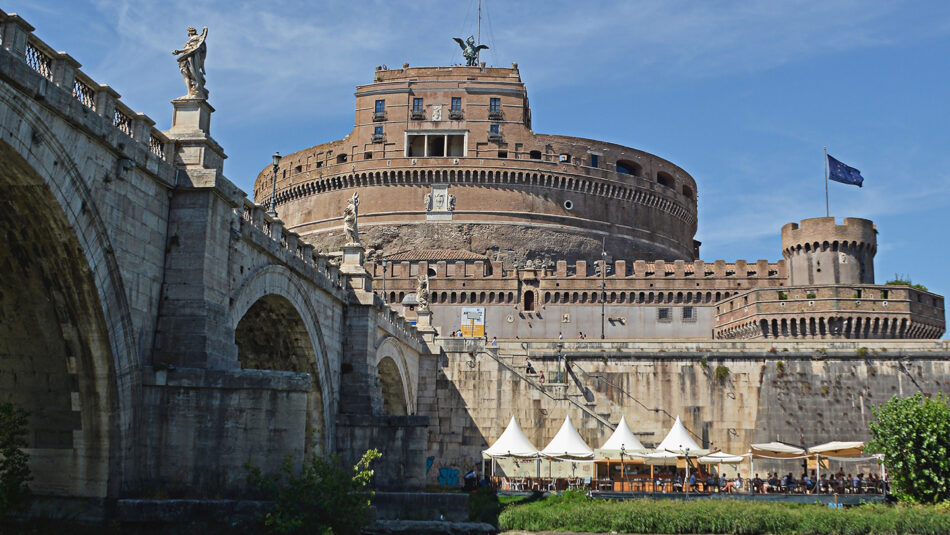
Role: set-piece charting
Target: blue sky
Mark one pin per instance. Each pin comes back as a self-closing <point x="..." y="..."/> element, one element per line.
<point x="742" y="95"/>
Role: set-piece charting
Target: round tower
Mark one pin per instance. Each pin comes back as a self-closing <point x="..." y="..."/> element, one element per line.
<point x="818" y="251"/>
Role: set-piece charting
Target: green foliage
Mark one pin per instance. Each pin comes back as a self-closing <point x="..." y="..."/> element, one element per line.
<point x="914" y="435"/>
<point x="780" y="367"/>
<point x="14" y="462"/>
<point x="703" y="363"/>
<point x="862" y="352"/>
<point x="721" y="373"/>
<point x="575" y="513"/>
<point x="323" y="498"/>
<point x="810" y="295"/>
<point x="904" y="280"/>
<point x="782" y="296"/>
<point x="483" y="506"/>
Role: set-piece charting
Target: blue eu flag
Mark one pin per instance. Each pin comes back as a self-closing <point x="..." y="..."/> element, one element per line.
<point x="840" y="172"/>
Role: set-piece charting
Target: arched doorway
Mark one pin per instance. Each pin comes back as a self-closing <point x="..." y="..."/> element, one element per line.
<point x="56" y="360"/>
<point x="391" y="387"/>
<point x="273" y="336"/>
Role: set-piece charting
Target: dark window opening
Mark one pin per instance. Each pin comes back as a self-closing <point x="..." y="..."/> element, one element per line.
<point x="341" y="158"/>
<point x="664" y="179"/>
<point x="529" y="301"/>
<point x="535" y="155"/>
<point x="502" y="154"/>
<point x="629" y="168"/>
<point x="319" y="164"/>
<point x="436" y="146"/>
<point x="368" y="155"/>
<point x="565" y="158"/>
<point x="594" y="160"/>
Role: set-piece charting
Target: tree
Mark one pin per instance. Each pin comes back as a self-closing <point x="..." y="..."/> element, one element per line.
<point x="322" y="499"/>
<point x="14" y="462"/>
<point x="914" y="435"/>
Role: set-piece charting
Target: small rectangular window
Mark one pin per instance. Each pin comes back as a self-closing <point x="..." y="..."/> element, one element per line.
<point x="493" y="129"/>
<point x="456" y="103"/>
<point x="368" y="155"/>
<point x="883" y="294"/>
<point x="417" y="104"/>
<point x="663" y="315"/>
<point x="494" y="104"/>
<point x="688" y="314"/>
<point x="566" y="158"/>
<point x="594" y="160"/>
<point x="502" y="154"/>
<point x="378" y="131"/>
<point x="380" y="106"/>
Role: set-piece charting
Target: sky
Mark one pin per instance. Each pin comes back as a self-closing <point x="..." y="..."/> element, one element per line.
<point x="742" y="95"/>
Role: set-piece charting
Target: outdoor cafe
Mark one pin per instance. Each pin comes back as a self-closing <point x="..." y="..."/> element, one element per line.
<point x="676" y="465"/>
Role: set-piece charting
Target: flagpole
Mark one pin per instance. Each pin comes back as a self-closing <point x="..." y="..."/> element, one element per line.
<point x="827" y="212"/>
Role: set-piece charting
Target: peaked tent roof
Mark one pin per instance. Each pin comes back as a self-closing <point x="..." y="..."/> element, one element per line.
<point x="567" y="443"/>
<point x="622" y="437"/>
<point x="678" y="440"/>
<point x="839" y="449"/>
<point x="512" y="443"/>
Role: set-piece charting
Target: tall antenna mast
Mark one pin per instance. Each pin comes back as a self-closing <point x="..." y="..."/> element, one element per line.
<point x="478" y="53"/>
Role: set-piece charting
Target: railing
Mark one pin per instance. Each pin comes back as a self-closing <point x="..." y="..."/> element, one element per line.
<point x="379" y="116"/>
<point x="456" y="115"/>
<point x="417" y="115"/>
<point x="63" y="71"/>
<point x="495" y="115"/>
<point x="379" y="138"/>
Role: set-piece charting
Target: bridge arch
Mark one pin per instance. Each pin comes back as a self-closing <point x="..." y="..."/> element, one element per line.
<point x="395" y="382"/>
<point x="273" y="295"/>
<point x="71" y="326"/>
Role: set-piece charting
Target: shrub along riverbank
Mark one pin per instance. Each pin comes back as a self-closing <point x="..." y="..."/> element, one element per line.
<point x="576" y="512"/>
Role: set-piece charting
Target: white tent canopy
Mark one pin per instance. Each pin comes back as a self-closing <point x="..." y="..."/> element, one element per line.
<point x="721" y="457"/>
<point x="622" y="439"/>
<point x="838" y="449"/>
<point x="776" y="450"/>
<point x="512" y="443"/>
<point x="677" y="441"/>
<point x="567" y="443"/>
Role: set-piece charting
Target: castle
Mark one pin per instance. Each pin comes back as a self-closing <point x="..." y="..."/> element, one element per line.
<point x="455" y="185"/>
<point x="163" y="329"/>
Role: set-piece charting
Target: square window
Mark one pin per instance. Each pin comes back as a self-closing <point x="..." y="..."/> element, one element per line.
<point x="368" y="155"/>
<point x="663" y="315"/>
<point x="417" y="104"/>
<point x="456" y="103"/>
<point x="502" y="154"/>
<point x="688" y="314"/>
<point x="380" y="106"/>
<point x="493" y="129"/>
<point x="378" y="131"/>
<point x="494" y="104"/>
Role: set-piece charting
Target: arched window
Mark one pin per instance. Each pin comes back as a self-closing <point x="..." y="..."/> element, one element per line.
<point x="535" y="155"/>
<point x="665" y="179"/>
<point x="529" y="301"/>
<point x="625" y="167"/>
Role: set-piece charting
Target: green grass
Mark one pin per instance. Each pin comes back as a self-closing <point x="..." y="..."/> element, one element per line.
<point x="576" y="512"/>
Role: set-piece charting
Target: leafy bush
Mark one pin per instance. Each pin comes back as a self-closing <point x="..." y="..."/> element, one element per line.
<point x="780" y="367"/>
<point x="14" y="462"/>
<point x="703" y="363"/>
<point x="322" y="499"/>
<point x="721" y="373"/>
<point x="914" y="435"/>
<point x="571" y="513"/>
<point x="862" y="352"/>
<point x="900" y="280"/>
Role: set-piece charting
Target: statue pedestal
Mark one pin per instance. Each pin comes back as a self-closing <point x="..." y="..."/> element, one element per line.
<point x="424" y="325"/>
<point x="357" y="277"/>
<point x="197" y="152"/>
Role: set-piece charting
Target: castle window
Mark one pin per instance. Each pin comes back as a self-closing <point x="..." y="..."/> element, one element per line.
<point x="380" y="106"/>
<point x="416" y="104"/>
<point x="494" y="104"/>
<point x="664" y="179"/>
<point x="456" y="103"/>
<point x="493" y="129"/>
<point x="368" y="155"/>
<point x="688" y="314"/>
<point x="502" y="154"/>
<point x="529" y="301"/>
<point x="564" y="158"/>
<point x="594" y="160"/>
<point x="629" y="168"/>
<point x="341" y="158"/>
<point x="663" y="315"/>
<point x="378" y="131"/>
<point x="535" y="155"/>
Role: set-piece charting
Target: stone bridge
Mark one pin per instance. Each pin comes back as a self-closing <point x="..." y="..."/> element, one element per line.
<point x="160" y="328"/>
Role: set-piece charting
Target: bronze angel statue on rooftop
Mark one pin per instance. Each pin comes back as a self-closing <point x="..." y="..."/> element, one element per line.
<point x="469" y="50"/>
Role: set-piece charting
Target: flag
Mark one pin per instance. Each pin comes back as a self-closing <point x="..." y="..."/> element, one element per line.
<point x="840" y="172"/>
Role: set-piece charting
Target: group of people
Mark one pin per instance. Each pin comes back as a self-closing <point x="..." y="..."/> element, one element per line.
<point x="811" y="484"/>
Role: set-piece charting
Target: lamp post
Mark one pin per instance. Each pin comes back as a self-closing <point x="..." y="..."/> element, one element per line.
<point x="272" y="211"/>
<point x="603" y="287"/>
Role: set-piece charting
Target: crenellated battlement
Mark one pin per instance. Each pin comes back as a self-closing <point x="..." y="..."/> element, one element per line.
<point x="822" y="232"/>
<point x="821" y="252"/>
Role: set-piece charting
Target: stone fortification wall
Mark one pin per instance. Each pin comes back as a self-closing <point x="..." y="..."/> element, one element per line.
<point x="488" y="177"/>
<point x="789" y="391"/>
<point x="820" y="252"/>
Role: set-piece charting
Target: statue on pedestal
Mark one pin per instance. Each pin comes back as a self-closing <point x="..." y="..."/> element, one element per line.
<point x="349" y="220"/>
<point x="422" y="293"/>
<point x="191" y="62"/>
